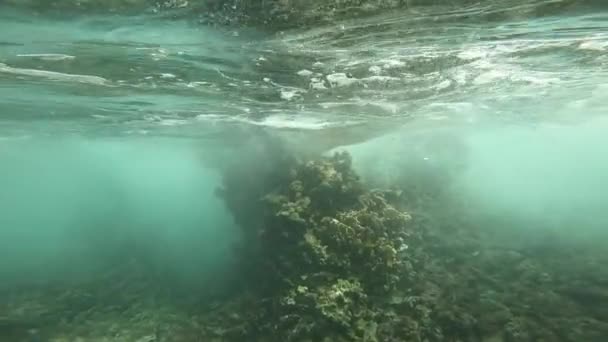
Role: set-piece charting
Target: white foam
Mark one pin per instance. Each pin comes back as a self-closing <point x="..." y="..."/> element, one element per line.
<point x="593" y="45"/>
<point x="305" y="73"/>
<point x="374" y="69"/>
<point x="278" y="121"/>
<point x="47" y="56"/>
<point x="284" y="121"/>
<point x="491" y="76"/>
<point x="96" y="80"/>
<point x="385" y="106"/>
<point x="473" y="53"/>
<point x="289" y="94"/>
<point x="341" y="80"/>
<point x="172" y="122"/>
<point x="392" y="63"/>
<point x="317" y="84"/>
<point x="380" y="78"/>
<point x="443" y="84"/>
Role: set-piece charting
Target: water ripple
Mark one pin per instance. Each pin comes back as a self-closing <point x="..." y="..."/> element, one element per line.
<point x="494" y="59"/>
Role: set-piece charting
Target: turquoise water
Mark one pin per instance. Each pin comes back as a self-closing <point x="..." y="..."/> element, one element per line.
<point x="115" y="130"/>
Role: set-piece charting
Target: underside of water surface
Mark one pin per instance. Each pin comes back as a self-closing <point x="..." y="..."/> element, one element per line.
<point x="369" y="170"/>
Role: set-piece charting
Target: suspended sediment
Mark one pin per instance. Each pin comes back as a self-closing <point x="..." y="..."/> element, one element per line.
<point x="328" y="249"/>
<point x="326" y="258"/>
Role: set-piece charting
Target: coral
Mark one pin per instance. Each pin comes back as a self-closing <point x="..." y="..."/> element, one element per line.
<point x="328" y="224"/>
<point x="327" y="248"/>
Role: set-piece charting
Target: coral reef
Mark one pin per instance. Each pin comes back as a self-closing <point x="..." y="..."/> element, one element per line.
<point x="326" y="259"/>
<point x="338" y="262"/>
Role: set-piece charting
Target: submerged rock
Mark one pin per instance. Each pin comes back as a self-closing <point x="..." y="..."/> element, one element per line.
<point x="324" y="248"/>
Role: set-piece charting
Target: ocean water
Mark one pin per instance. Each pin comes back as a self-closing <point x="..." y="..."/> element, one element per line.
<point x="116" y="130"/>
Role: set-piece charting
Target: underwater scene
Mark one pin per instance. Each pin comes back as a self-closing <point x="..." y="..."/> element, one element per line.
<point x="303" y="170"/>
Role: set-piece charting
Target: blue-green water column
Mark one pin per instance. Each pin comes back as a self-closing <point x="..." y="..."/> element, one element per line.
<point x="69" y="207"/>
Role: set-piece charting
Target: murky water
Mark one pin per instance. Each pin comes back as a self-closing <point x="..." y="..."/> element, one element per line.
<point x="116" y="131"/>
